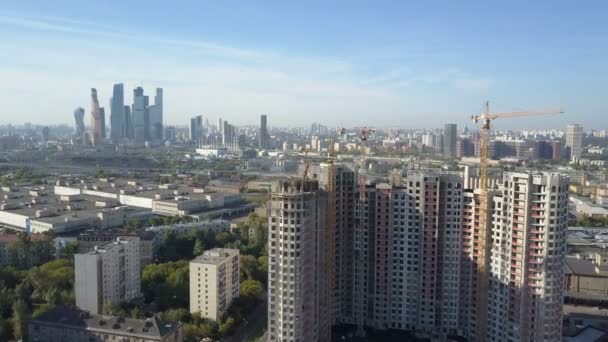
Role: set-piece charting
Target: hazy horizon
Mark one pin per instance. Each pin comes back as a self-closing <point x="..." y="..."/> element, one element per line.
<point x="340" y="64"/>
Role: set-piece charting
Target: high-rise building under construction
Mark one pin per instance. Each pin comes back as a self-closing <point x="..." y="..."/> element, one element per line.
<point x="296" y="263"/>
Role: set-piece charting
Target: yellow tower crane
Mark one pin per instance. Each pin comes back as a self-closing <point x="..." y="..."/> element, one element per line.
<point x="484" y="220"/>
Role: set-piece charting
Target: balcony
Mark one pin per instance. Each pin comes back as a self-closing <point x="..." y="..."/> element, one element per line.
<point x="535" y="254"/>
<point x="538" y="239"/>
<point x="536" y="207"/>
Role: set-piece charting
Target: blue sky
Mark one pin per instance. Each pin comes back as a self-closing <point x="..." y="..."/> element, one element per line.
<point x="373" y="63"/>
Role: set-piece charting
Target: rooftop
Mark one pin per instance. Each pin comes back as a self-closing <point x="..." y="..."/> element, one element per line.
<point x="79" y="319"/>
<point x="215" y="256"/>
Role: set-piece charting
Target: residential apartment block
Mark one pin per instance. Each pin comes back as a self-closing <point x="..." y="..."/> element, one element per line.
<point x="214" y="282"/>
<point x="297" y="294"/>
<point x="110" y="272"/>
<point x="526" y="248"/>
<point x="407" y="242"/>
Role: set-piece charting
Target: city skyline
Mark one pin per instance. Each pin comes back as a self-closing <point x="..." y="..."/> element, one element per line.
<point x="408" y="68"/>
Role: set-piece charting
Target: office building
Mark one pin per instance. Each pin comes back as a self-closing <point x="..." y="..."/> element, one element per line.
<point x="79" y="121"/>
<point x="574" y="140"/>
<point x="140" y="116"/>
<point x="155" y="117"/>
<point x="102" y="122"/>
<point x="96" y="119"/>
<point x="110" y="272"/>
<point x="196" y="129"/>
<point x="229" y="136"/>
<point x="128" y="123"/>
<point x="449" y="141"/>
<point x="263" y="136"/>
<point x="297" y="284"/>
<point x="214" y="282"/>
<point x="64" y="324"/>
<point x="118" y="120"/>
<point x="525" y="249"/>
<point x="407" y="254"/>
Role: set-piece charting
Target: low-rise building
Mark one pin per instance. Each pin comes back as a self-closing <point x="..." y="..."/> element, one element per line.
<point x="63" y="324"/>
<point x="214" y="282"/>
<point x="587" y="276"/>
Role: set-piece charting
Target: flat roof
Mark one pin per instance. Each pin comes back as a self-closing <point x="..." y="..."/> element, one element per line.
<point x="214" y="256"/>
<point x="79" y="319"/>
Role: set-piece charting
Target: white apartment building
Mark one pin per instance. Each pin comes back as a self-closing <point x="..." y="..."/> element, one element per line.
<point x="574" y="140"/>
<point x="214" y="282"/>
<point x="297" y="284"/>
<point x="527" y="244"/>
<point x="110" y="272"/>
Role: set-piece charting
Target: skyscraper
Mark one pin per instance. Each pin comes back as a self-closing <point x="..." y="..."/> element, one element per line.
<point x="79" y="121"/>
<point x="118" y="119"/>
<point x="524" y="286"/>
<point x="139" y="113"/>
<point x="102" y="122"/>
<point x="449" y="141"/>
<point x="574" y="140"/>
<point x="155" y="116"/>
<point x="128" y="122"/>
<point x="229" y="136"/>
<point x="196" y="129"/>
<point x="96" y="120"/>
<point x="296" y="266"/>
<point x="263" y="135"/>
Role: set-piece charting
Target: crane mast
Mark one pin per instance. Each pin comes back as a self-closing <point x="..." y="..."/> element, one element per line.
<point x="483" y="234"/>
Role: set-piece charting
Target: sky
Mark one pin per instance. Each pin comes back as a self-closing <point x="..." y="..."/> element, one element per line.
<point x="342" y="63"/>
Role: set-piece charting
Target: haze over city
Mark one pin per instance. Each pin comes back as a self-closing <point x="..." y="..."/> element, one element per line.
<point x="342" y="171"/>
<point x="342" y="63"/>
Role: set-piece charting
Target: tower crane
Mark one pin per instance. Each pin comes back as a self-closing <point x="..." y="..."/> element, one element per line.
<point x="483" y="235"/>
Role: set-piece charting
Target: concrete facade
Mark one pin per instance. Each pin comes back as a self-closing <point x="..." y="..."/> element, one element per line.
<point x="214" y="282"/>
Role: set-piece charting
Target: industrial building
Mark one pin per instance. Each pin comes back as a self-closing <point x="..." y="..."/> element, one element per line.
<point x="65" y="324"/>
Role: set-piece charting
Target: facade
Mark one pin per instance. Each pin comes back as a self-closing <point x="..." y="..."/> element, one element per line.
<point x="196" y="129"/>
<point x="526" y="245"/>
<point x="96" y="119"/>
<point x="118" y="120"/>
<point x="297" y="287"/>
<point x="148" y="242"/>
<point x="574" y="140"/>
<point x="263" y="136"/>
<point x="407" y="243"/>
<point x="344" y="189"/>
<point x="63" y="324"/>
<point x="79" y="121"/>
<point x="155" y="117"/>
<point x="449" y="141"/>
<point x="110" y="272"/>
<point x="140" y="116"/>
<point x="587" y="276"/>
<point x="214" y="282"/>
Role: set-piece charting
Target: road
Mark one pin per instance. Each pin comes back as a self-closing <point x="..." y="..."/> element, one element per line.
<point x="256" y="321"/>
